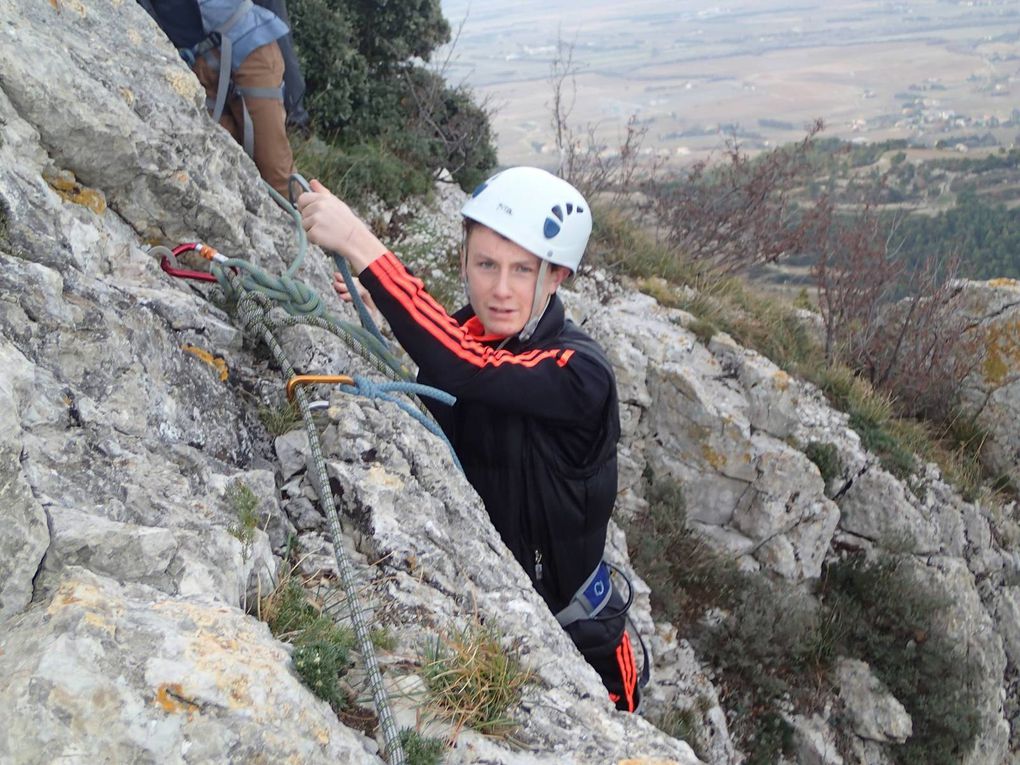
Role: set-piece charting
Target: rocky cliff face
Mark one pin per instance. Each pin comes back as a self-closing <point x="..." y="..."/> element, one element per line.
<point x="125" y="591"/>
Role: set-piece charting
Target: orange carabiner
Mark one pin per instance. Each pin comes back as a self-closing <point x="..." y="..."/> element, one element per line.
<point x="297" y="380"/>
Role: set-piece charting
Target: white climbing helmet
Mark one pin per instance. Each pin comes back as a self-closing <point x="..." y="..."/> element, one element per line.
<point x="533" y="208"/>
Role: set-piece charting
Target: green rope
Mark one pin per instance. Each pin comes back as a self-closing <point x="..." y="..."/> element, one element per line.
<point x="296" y="179"/>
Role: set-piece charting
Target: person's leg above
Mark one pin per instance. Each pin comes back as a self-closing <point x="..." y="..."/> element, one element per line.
<point x="260" y="74"/>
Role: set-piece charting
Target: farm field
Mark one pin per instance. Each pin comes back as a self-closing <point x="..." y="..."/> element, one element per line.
<point x="695" y="72"/>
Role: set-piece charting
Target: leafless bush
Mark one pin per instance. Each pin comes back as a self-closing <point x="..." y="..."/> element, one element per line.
<point x="901" y="329"/>
<point x="585" y="160"/>
<point x="451" y="125"/>
<point x="736" y="213"/>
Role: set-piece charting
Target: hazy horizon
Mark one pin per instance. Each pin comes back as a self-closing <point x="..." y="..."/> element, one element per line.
<point x="764" y="69"/>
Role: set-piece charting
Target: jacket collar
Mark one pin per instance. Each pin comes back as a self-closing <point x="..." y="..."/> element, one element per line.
<point x="549" y="325"/>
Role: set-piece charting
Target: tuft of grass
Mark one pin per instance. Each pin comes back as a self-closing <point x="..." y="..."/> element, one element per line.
<point x="421" y="750"/>
<point x="473" y="680"/>
<point x="703" y="330"/>
<point x="871" y="416"/>
<point x="826" y="459"/>
<point x="280" y="419"/>
<point x="383" y="639"/>
<point x="685" y="723"/>
<point x="245" y="505"/>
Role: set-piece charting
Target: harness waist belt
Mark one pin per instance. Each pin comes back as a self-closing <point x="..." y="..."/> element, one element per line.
<point x="590" y="598"/>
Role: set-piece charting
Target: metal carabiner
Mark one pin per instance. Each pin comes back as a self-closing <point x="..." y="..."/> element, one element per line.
<point x="169" y="262"/>
<point x="298" y="380"/>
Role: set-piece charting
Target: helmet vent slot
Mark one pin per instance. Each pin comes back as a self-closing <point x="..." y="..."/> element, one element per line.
<point x="558" y="212"/>
<point x="551" y="229"/>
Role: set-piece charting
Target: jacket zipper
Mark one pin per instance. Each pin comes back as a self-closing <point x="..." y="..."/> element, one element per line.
<point x="538" y="565"/>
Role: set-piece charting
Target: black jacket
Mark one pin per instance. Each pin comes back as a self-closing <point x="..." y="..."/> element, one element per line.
<point x="535" y="425"/>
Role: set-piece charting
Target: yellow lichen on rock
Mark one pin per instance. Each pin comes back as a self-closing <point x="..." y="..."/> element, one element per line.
<point x="64" y="183"/>
<point x="127" y="95"/>
<point x="1004" y="282"/>
<point x="1002" y="352"/>
<point x="712" y="457"/>
<point x="171" y="697"/>
<point x="216" y="362"/>
<point x="781" y="379"/>
<point x="183" y="83"/>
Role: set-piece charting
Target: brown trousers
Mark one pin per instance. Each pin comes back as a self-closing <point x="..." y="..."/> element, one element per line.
<point x="262" y="69"/>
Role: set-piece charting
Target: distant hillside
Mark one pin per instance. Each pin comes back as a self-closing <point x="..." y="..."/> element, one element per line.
<point x="962" y="199"/>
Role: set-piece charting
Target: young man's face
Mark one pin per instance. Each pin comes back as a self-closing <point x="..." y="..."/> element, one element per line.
<point x="501" y="278"/>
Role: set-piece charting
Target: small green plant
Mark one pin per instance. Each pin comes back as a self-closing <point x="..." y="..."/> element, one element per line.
<point x="280" y="419"/>
<point x="245" y="506"/>
<point x="362" y="172"/>
<point x="685" y="724"/>
<point x="322" y="647"/>
<point x="871" y="416"/>
<point x="473" y="680"/>
<point x="891" y="619"/>
<point x="320" y="664"/>
<point x="383" y="639"/>
<point x="4" y="227"/>
<point x="421" y="750"/>
<point x="826" y="459"/>
<point x="686" y="576"/>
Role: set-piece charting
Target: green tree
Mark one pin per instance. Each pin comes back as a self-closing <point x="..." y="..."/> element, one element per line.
<point x="362" y="62"/>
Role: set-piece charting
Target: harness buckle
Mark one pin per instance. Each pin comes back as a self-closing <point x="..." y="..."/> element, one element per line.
<point x="591" y="597"/>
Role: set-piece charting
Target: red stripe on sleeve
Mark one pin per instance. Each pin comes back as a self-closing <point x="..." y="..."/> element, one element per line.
<point x="422" y="308"/>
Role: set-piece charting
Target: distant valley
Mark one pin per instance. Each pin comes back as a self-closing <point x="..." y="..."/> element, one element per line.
<point x="697" y="72"/>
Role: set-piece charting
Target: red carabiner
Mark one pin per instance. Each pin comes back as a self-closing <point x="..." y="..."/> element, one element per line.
<point x="170" y="265"/>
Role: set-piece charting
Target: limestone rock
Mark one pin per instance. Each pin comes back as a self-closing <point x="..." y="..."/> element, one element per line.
<point x="122" y="673"/>
<point x="875" y="714"/>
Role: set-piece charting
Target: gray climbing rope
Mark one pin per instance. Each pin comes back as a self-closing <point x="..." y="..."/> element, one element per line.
<point x="253" y="312"/>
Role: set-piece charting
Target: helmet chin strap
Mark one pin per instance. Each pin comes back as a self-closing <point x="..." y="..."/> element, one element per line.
<point x="537" y="306"/>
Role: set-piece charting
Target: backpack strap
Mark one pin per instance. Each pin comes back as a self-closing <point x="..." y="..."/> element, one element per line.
<point x="248" y="127"/>
<point x="226" y="49"/>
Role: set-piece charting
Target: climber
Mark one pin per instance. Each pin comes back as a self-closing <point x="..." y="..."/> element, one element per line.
<point x="536" y="421"/>
<point x="232" y="47"/>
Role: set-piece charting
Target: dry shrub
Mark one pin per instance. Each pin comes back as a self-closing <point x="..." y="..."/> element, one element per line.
<point x="585" y="160"/>
<point x="738" y="212"/>
<point x="903" y="330"/>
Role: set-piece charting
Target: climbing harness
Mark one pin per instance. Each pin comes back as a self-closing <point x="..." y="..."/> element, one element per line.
<point x="590" y="601"/>
<point x="591" y="597"/>
<point x="219" y="40"/>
